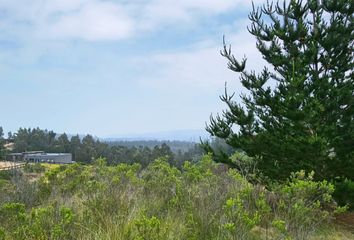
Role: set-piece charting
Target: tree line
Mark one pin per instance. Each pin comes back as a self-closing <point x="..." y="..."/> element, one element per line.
<point x="87" y="148"/>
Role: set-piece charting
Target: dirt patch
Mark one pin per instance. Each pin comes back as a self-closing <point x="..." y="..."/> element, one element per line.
<point x="346" y="220"/>
<point x="5" y="164"/>
<point x="32" y="177"/>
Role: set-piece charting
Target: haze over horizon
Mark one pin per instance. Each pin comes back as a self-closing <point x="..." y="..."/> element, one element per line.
<point x="118" y="67"/>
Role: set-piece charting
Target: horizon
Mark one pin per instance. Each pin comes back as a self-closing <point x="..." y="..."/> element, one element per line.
<point x="181" y="135"/>
<point x="116" y="67"/>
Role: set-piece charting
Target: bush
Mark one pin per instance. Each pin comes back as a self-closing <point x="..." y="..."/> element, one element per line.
<point x="40" y="223"/>
<point x="149" y="229"/>
<point x="34" y="168"/>
<point x="344" y="193"/>
<point x="299" y="208"/>
<point x="239" y="219"/>
<point x="8" y="174"/>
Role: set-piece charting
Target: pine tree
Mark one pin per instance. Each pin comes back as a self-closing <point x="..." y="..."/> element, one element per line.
<point x="299" y="112"/>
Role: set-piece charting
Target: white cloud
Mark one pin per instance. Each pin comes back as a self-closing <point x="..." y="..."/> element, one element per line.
<point x="98" y="20"/>
<point x="90" y="20"/>
<point x="202" y="6"/>
<point x="202" y="66"/>
<point x="93" y="22"/>
<point x="53" y="6"/>
<point x="162" y="13"/>
<point x="167" y="11"/>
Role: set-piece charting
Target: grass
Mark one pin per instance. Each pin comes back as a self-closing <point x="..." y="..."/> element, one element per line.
<point x="335" y="232"/>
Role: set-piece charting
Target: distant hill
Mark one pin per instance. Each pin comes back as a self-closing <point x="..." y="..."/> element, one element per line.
<point x="175" y="146"/>
<point x="178" y="135"/>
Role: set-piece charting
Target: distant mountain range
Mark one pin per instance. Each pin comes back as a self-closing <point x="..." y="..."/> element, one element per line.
<point x="178" y="135"/>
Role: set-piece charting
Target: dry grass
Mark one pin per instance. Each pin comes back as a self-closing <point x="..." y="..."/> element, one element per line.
<point x="337" y="232"/>
<point x="5" y="164"/>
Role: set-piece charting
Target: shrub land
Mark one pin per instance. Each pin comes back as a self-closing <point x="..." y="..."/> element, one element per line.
<point x="203" y="200"/>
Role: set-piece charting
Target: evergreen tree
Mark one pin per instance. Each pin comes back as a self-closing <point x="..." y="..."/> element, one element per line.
<point x="163" y="151"/>
<point x="64" y="143"/>
<point x="75" y="145"/>
<point x="299" y="114"/>
<point x="88" y="151"/>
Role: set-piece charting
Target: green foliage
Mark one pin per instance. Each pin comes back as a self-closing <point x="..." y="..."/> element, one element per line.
<point x="162" y="180"/>
<point x="6" y="175"/>
<point x="280" y="227"/>
<point x="50" y="223"/>
<point x="2" y="234"/>
<point x="11" y="215"/>
<point x="239" y="220"/>
<point x="298" y="115"/>
<point x="34" y="168"/>
<point x="204" y="200"/>
<point x="246" y="165"/>
<point x="344" y="192"/>
<point x="87" y="148"/>
<point x="149" y="229"/>
<point x="303" y="201"/>
<point x="39" y="223"/>
<point x="34" y="140"/>
<point x="206" y="190"/>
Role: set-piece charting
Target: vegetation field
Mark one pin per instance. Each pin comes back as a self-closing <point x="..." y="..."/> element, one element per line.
<point x="200" y="201"/>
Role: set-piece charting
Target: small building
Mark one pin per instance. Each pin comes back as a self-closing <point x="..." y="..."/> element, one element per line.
<point x="41" y="157"/>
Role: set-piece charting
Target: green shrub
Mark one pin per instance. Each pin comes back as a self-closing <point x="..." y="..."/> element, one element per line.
<point x="2" y="233"/>
<point x="204" y="200"/>
<point x="239" y="219"/>
<point x="13" y="220"/>
<point x="300" y="205"/>
<point x="149" y="228"/>
<point x="204" y="193"/>
<point x="344" y="193"/>
<point x="246" y="166"/>
<point x="109" y="194"/>
<point x="50" y="223"/>
<point x="34" y="168"/>
<point x="40" y="223"/>
<point x="8" y="174"/>
<point x="162" y="184"/>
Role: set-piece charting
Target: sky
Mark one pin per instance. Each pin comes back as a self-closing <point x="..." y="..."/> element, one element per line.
<point x="111" y="67"/>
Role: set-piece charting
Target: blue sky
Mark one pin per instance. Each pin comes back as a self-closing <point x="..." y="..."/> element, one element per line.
<point x="110" y="67"/>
